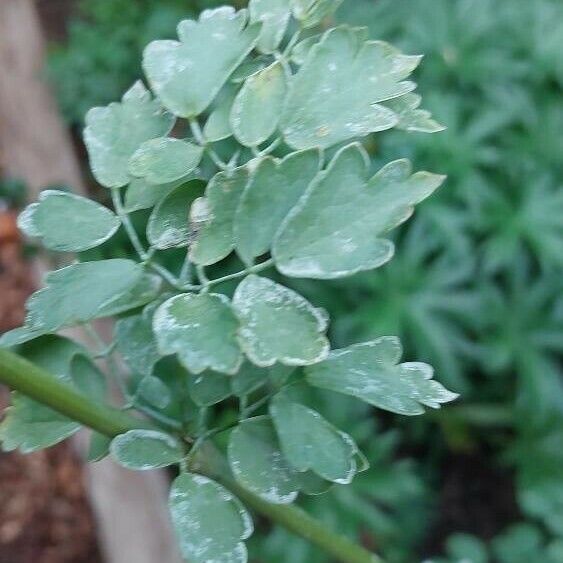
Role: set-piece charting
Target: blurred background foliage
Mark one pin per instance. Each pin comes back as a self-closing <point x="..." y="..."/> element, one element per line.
<point x="475" y="287"/>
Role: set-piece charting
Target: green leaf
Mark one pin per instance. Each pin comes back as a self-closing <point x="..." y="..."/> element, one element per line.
<point x="168" y="225"/>
<point x="201" y="330"/>
<point x="165" y="160"/>
<point x="188" y="74"/>
<point x="67" y="222"/>
<point x="274" y="15"/>
<point x="256" y="110"/>
<point x="336" y="228"/>
<point x="209" y="521"/>
<point x="279" y="325"/>
<point x="154" y="391"/>
<point x="209" y="388"/>
<point x="115" y="132"/>
<point x="218" y="126"/>
<point x="87" y="378"/>
<point x="321" y="112"/>
<point x="98" y="448"/>
<point x="146" y="289"/>
<point x="74" y="294"/>
<point x="20" y="335"/>
<point x="136" y="343"/>
<point x="214" y="222"/>
<point x="258" y="463"/>
<point x="411" y="118"/>
<point x="29" y="425"/>
<point x="309" y="442"/>
<point x="248" y="379"/>
<point x="312" y="12"/>
<point x="370" y="371"/>
<point x="274" y="189"/>
<point x="146" y="449"/>
<point x="142" y="195"/>
<point x="301" y="51"/>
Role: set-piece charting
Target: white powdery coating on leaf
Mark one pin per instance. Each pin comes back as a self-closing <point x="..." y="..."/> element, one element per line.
<point x="256" y="297"/>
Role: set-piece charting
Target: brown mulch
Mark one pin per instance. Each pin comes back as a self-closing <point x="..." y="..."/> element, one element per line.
<point x="44" y="512"/>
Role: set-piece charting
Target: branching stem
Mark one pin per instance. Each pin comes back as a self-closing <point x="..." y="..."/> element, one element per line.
<point x="29" y="379"/>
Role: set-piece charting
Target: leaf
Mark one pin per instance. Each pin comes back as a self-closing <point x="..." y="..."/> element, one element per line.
<point x="201" y="330"/>
<point x="248" y="379"/>
<point x="309" y="442"/>
<point x="142" y="195"/>
<point x="29" y="425"/>
<point x="218" y="126"/>
<point x="311" y="12"/>
<point x="258" y="464"/>
<point x="20" y="335"/>
<point x="256" y="110"/>
<point x="301" y="51"/>
<point x="336" y="228"/>
<point x="411" y="118"/>
<point x="274" y="189"/>
<point x="188" y="74"/>
<point x="98" y="448"/>
<point x="74" y="294"/>
<point x="136" y="343"/>
<point x="209" y="388"/>
<point x="215" y="240"/>
<point x="370" y="371"/>
<point x="154" y="391"/>
<point x="115" y="132"/>
<point x="209" y="521"/>
<point x="168" y="225"/>
<point x="165" y="160"/>
<point x="146" y="449"/>
<point x="278" y="325"/>
<point x="274" y="15"/>
<point x="67" y="222"/>
<point x="146" y="289"/>
<point x="334" y="96"/>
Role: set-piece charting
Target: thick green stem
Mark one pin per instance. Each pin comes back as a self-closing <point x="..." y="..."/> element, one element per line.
<point x="31" y="380"/>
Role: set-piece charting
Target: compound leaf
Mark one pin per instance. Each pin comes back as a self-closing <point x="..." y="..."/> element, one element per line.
<point x="146" y="449"/>
<point x="188" y="74"/>
<point x="335" y="95"/>
<point x="258" y="463"/>
<point x="248" y="379"/>
<point x="74" y="294"/>
<point x="411" y="118"/>
<point x="142" y="195"/>
<point x="310" y="13"/>
<point x="209" y="388"/>
<point x="256" y="110"/>
<point x="168" y="225"/>
<point x="136" y="343"/>
<point x="201" y="330"/>
<point x="370" y="371"/>
<point x="29" y="425"/>
<point x="309" y="442"/>
<point x="210" y="523"/>
<point x="335" y="230"/>
<point x="218" y="126"/>
<point x="67" y="222"/>
<point x="274" y="15"/>
<point x="215" y="216"/>
<point x="278" y="325"/>
<point x="165" y="160"/>
<point x="115" y="132"/>
<point x="274" y="189"/>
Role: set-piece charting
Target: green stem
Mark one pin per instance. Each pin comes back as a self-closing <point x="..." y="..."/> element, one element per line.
<point x="31" y="380"/>
<point x="127" y="225"/>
